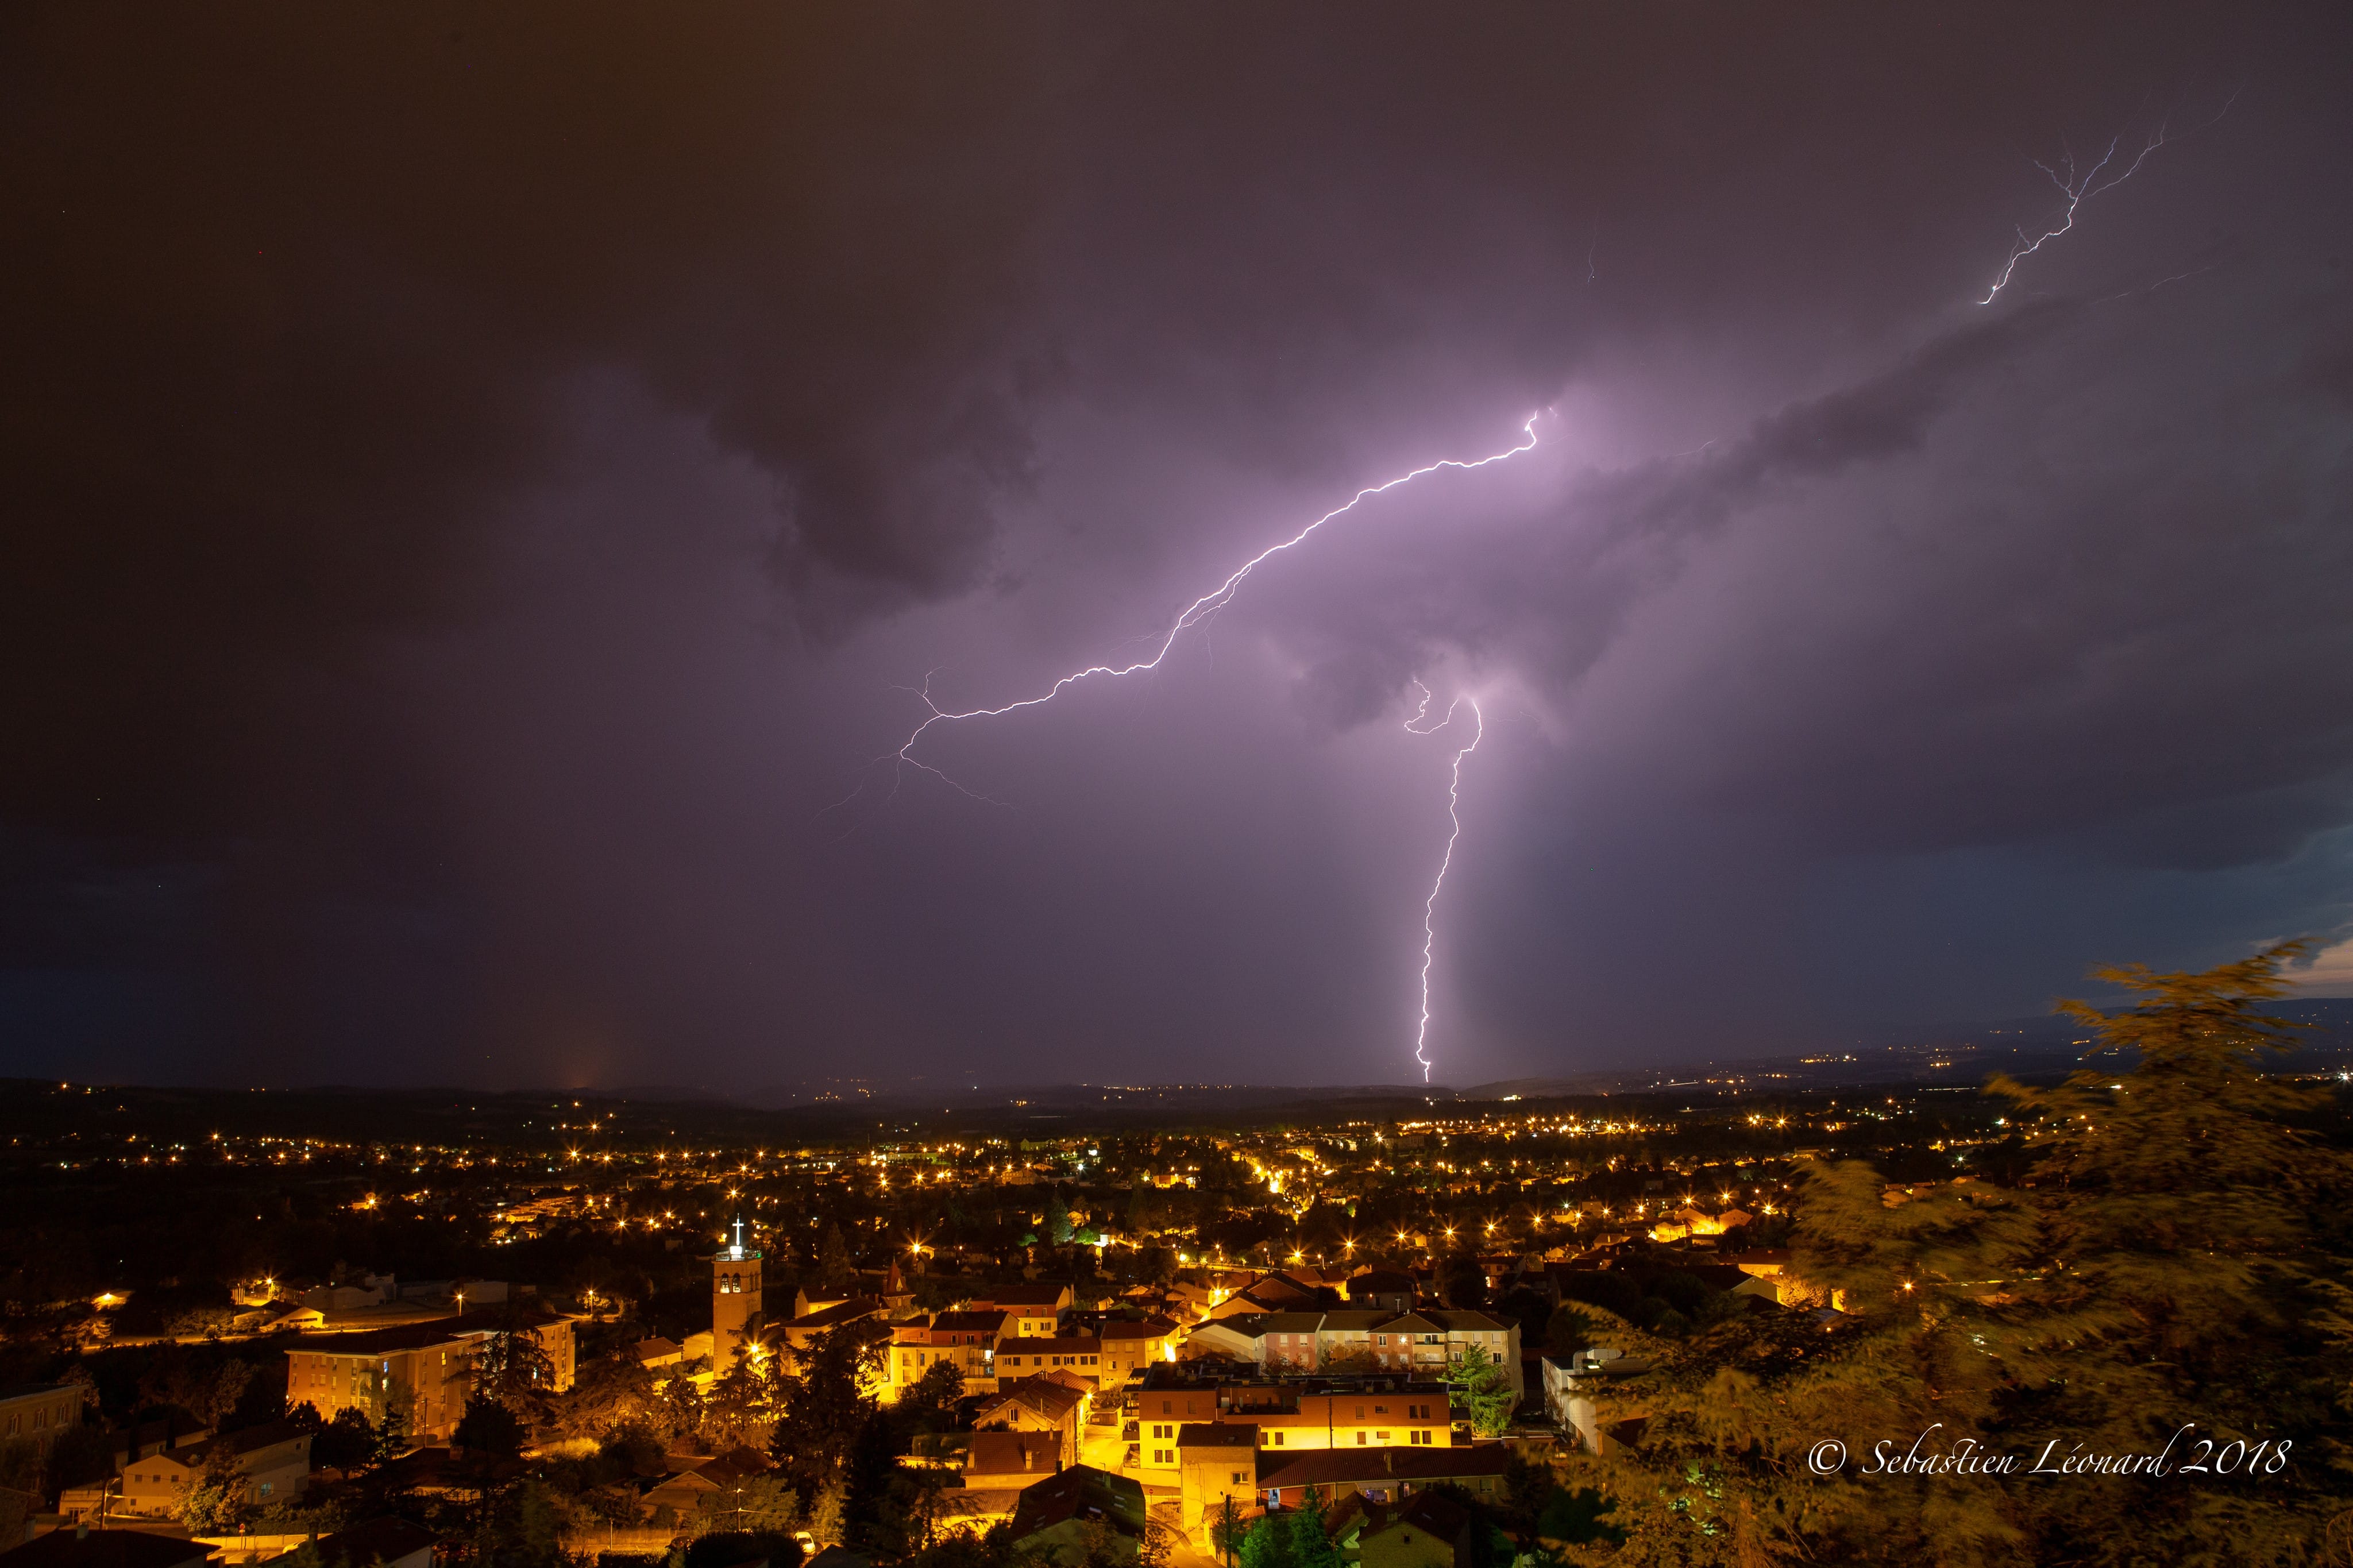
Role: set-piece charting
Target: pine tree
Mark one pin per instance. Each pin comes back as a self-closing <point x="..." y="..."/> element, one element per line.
<point x="2174" y="1274"/>
<point x="1310" y="1544"/>
<point x="833" y="1258"/>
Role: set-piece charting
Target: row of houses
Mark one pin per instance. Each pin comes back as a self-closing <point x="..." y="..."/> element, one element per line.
<point x="1223" y="1472"/>
<point x="1418" y="1343"/>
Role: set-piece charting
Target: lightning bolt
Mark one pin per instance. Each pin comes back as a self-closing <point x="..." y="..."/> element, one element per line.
<point x="1202" y="608"/>
<point x="1198" y="612"/>
<point x="1454" y="831"/>
<point x="2079" y="188"/>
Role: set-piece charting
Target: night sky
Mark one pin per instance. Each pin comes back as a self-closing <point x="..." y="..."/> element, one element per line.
<point x="481" y="487"/>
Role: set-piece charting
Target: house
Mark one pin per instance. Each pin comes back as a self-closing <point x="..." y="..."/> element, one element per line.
<point x="1344" y="1338"/>
<point x="659" y="1352"/>
<point x="700" y="1485"/>
<point x="801" y="1332"/>
<point x="1035" y="1310"/>
<point x="1289" y="1343"/>
<point x="1235" y="1337"/>
<point x="1576" y="1394"/>
<point x="1424" y="1343"/>
<point x="1159" y="1412"/>
<point x="1408" y="1416"/>
<point x="82" y="1547"/>
<point x="275" y="1461"/>
<point x="386" y="1542"/>
<point x="996" y="1460"/>
<point x="1037" y="1405"/>
<point x="156" y="1436"/>
<point x="39" y="1411"/>
<point x="1130" y="1344"/>
<point x="1425" y="1530"/>
<point x="1215" y="1461"/>
<point x="1078" y="1354"/>
<point x="1383" y="1289"/>
<point x="1054" y="1516"/>
<point x="1381" y="1474"/>
<point x="969" y="1339"/>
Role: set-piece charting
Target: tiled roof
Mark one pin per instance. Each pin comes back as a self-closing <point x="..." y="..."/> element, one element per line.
<point x="1332" y="1467"/>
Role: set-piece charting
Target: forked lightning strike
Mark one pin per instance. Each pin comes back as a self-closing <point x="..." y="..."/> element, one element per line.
<point x="1454" y="832"/>
<point x="2079" y="188"/>
<point x="1202" y="608"/>
<point x="1200" y="611"/>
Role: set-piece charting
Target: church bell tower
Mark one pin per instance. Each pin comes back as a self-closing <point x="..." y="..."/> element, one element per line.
<point x="734" y="1301"/>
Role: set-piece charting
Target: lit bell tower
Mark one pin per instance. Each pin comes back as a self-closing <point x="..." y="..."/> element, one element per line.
<point x="734" y="1301"/>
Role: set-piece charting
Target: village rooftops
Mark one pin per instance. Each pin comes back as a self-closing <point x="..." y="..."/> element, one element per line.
<point x="855" y="1310"/>
<point x="1129" y="1329"/>
<point x="1035" y="1294"/>
<point x="1221" y="1435"/>
<point x="1046" y="1396"/>
<point x="439" y="1330"/>
<point x="1327" y="1467"/>
<point x="1028" y="1455"/>
<point x="385" y="1540"/>
<point x="1084" y="1493"/>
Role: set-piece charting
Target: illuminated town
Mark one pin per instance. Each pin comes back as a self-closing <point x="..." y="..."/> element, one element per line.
<point x="1170" y="1327"/>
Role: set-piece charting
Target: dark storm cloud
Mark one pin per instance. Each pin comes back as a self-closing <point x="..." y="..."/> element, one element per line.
<point x="474" y="477"/>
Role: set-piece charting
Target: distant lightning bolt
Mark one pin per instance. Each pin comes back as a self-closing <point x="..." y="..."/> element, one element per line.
<point x="1454" y="831"/>
<point x="2079" y="188"/>
<point x="1202" y="608"/>
<point x="1198" y="612"/>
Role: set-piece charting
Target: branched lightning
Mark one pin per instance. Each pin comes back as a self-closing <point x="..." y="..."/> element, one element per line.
<point x="1454" y="832"/>
<point x="1202" y="608"/>
<point x="2081" y="187"/>
<point x="1197" y="613"/>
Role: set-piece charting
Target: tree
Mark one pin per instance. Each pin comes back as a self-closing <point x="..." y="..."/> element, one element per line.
<point x="1058" y="1219"/>
<point x="1227" y="1533"/>
<point x="1101" y="1545"/>
<point x="391" y="1432"/>
<point x="1569" y="1331"/>
<point x="215" y="1500"/>
<point x="21" y="1466"/>
<point x="833" y="1258"/>
<point x="929" y="1404"/>
<point x="79" y="1455"/>
<point x="1481" y="1382"/>
<point x="2172" y="1275"/>
<point x="202" y="1380"/>
<point x="824" y="1513"/>
<point x="826" y="1403"/>
<point x="345" y="1443"/>
<point x="513" y="1368"/>
<point x="488" y="1430"/>
<point x="1310" y="1543"/>
<point x="1466" y="1282"/>
<point x="606" y="1392"/>
<point x="1268" y="1544"/>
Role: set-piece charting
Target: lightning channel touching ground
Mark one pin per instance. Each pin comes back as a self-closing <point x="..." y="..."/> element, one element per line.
<point x="2081" y="187"/>
<point x="1198" y="612"/>
<point x="1454" y="832"/>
